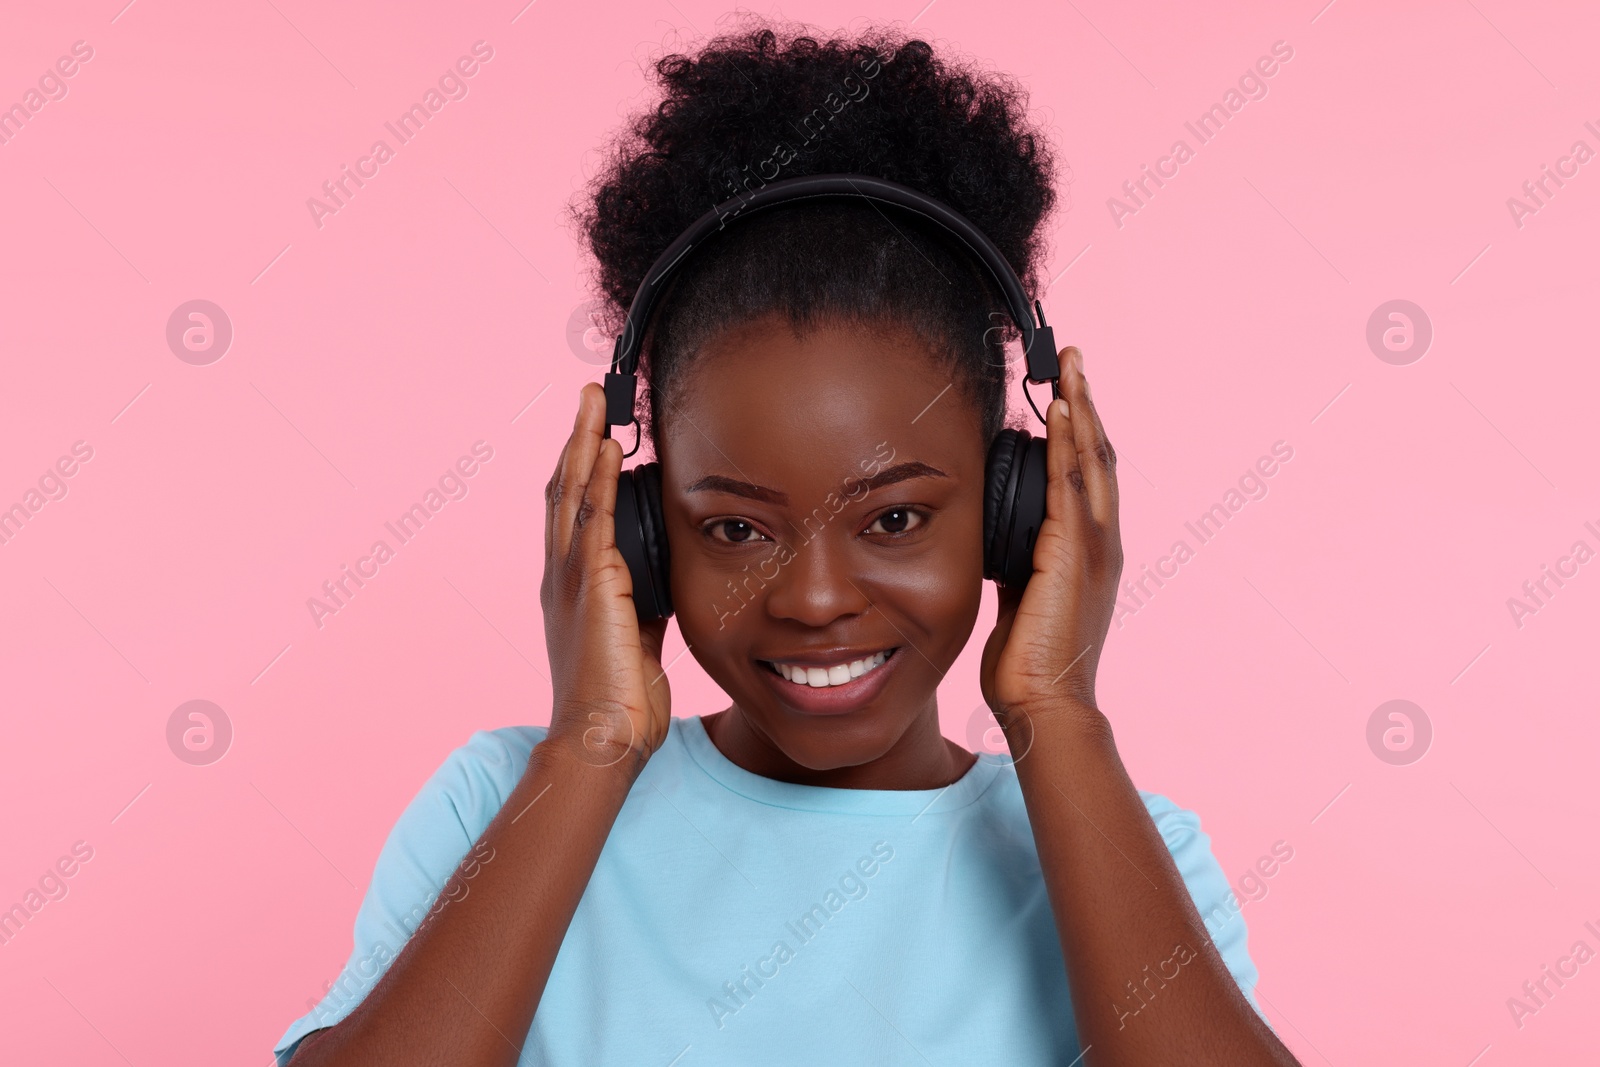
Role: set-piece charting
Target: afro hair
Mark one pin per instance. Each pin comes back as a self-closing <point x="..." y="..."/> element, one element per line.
<point x="762" y="104"/>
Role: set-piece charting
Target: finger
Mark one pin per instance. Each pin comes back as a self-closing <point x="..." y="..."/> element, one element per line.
<point x="1098" y="458"/>
<point x="555" y="488"/>
<point x="652" y="635"/>
<point x="1065" y="500"/>
<point x="551" y="497"/>
<point x="1009" y="598"/>
<point x="579" y="464"/>
<point x="595" y="523"/>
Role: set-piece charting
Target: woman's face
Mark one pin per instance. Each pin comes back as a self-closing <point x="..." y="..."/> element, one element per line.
<point x="824" y="502"/>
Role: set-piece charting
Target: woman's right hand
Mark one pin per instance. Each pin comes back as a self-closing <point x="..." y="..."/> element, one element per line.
<point x="611" y="701"/>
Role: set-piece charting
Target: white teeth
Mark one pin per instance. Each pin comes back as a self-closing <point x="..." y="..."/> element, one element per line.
<point x="838" y="674"/>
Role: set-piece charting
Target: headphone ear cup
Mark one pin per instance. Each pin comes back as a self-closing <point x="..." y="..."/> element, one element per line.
<point x="1013" y="506"/>
<point x="996" y="485"/>
<point x="642" y="540"/>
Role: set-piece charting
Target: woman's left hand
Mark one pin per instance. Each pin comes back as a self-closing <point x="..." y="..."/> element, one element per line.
<point x="1045" y="649"/>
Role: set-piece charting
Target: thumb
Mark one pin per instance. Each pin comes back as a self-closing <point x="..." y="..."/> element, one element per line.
<point x="1009" y="598"/>
<point x="652" y="635"/>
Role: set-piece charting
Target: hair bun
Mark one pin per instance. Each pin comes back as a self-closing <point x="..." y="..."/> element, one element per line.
<point x="763" y="93"/>
<point x="765" y="103"/>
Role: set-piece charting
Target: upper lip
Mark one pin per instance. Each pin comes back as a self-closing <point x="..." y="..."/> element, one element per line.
<point x="827" y="657"/>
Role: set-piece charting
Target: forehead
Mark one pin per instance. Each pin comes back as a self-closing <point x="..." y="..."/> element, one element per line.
<point x="760" y="399"/>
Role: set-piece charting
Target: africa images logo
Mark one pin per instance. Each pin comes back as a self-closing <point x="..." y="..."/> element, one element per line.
<point x="452" y="485"/>
<point x="1252" y="85"/>
<point x="811" y="126"/>
<point x="452" y="85"/>
<point x="852" y="885"/>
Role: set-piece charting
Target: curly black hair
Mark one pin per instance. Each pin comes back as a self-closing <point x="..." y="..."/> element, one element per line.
<point x="765" y="103"/>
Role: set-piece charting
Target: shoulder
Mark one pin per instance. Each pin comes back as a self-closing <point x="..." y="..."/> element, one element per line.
<point x="488" y="766"/>
<point x="488" y="754"/>
<point x="1190" y="847"/>
<point x="1209" y="887"/>
<point x="1179" y="826"/>
<point x="473" y="781"/>
<point x="445" y="817"/>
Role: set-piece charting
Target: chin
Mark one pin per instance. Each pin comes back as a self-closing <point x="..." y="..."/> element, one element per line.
<point x="829" y="742"/>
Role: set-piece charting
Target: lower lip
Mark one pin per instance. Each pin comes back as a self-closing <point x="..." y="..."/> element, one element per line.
<point x="854" y="695"/>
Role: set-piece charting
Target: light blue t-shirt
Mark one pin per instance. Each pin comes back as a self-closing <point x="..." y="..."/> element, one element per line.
<point x="735" y="919"/>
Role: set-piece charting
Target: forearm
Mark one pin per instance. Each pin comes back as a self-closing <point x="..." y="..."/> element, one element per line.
<point x="1148" y="986"/>
<point x="465" y="987"/>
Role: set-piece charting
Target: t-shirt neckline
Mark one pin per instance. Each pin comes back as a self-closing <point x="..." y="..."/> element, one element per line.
<point x="914" y="802"/>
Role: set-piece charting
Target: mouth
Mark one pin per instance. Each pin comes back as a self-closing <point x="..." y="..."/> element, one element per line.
<point x="830" y="688"/>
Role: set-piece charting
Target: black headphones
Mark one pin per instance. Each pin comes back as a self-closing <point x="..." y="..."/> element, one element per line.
<point x="1014" y="489"/>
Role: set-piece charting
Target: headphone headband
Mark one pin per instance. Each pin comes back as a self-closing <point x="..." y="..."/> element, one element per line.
<point x="1038" y="341"/>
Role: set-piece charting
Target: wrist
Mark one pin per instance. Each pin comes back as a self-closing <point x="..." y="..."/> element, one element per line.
<point x="1069" y="718"/>
<point x="586" y="756"/>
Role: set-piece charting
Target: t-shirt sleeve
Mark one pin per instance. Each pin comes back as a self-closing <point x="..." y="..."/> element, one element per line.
<point x="430" y="839"/>
<point x="1213" y="896"/>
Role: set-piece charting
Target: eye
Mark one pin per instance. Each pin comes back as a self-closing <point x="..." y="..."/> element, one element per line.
<point x="733" y="531"/>
<point x="897" y="521"/>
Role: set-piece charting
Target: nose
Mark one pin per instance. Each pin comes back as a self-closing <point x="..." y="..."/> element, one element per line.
<point x="816" y="586"/>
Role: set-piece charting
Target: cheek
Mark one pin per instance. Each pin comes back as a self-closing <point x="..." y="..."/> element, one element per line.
<point x="934" y="595"/>
<point x="940" y="583"/>
<point x="717" y="597"/>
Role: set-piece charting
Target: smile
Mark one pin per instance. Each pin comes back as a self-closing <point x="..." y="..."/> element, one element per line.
<point x="824" y="677"/>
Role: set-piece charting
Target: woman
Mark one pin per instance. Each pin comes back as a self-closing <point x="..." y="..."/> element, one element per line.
<point x="814" y="874"/>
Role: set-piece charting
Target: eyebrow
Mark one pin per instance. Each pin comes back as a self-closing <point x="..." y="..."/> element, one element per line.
<point x="717" y="483"/>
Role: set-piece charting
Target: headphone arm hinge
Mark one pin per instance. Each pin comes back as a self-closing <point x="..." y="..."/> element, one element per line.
<point x="1043" y="364"/>
<point x="621" y="390"/>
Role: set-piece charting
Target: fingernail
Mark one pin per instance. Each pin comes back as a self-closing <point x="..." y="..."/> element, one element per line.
<point x="1077" y="360"/>
<point x="1061" y="408"/>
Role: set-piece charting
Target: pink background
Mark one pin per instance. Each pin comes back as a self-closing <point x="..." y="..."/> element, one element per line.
<point x="1229" y="313"/>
